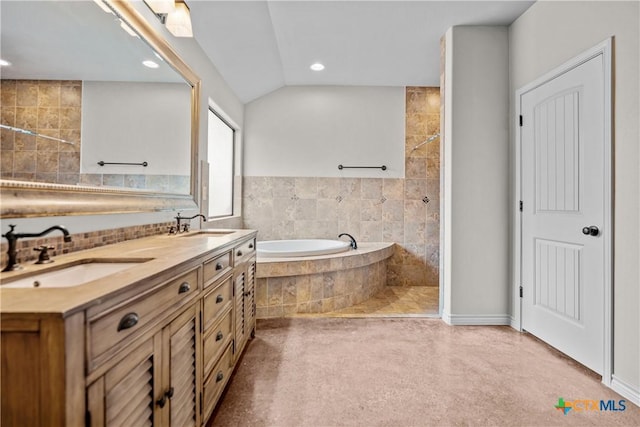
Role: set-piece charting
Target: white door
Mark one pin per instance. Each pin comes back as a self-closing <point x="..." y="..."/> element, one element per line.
<point x="563" y="194"/>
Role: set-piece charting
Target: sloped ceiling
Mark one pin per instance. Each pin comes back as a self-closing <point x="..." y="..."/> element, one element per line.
<point x="260" y="46"/>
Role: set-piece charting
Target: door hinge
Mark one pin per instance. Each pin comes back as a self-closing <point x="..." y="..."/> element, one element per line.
<point x="520" y="291"/>
<point x="201" y="330"/>
<point x="521" y="120"/>
<point x="521" y="205"/>
<point x="201" y="403"/>
<point x="87" y="419"/>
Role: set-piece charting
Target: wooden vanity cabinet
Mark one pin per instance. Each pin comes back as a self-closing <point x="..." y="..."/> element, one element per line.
<point x="159" y="353"/>
<point x="156" y="383"/>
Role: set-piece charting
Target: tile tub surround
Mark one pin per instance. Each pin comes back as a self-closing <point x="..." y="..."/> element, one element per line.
<point x="320" y="284"/>
<point x="370" y="209"/>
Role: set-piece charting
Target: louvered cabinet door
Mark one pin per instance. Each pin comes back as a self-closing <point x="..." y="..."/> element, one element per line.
<point x="124" y="395"/>
<point x="249" y="298"/>
<point x="239" y="307"/>
<point x="183" y="391"/>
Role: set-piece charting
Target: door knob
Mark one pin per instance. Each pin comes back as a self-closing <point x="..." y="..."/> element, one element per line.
<point x="591" y="231"/>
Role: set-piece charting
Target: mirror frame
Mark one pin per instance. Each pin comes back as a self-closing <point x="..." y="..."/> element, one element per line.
<point x="21" y="199"/>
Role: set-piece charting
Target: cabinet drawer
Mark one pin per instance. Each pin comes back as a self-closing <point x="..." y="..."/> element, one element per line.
<point x="108" y="332"/>
<point x="216" y="341"/>
<point x="244" y="251"/>
<point x="214" y="385"/>
<point x="216" y="268"/>
<point x="216" y="302"/>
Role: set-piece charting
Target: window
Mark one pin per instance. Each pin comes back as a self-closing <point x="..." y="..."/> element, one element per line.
<point x="221" y="160"/>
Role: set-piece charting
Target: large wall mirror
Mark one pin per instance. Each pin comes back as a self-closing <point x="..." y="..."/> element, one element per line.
<point x="87" y="127"/>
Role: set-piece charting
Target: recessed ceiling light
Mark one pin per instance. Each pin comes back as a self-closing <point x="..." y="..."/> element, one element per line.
<point x="4" y="63"/>
<point x="150" y="64"/>
<point x="317" y="67"/>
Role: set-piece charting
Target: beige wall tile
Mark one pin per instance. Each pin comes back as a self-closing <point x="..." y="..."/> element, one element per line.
<point x="393" y="188"/>
<point x="306" y="188"/>
<point x="26" y="93"/>
<point x="371" y="188"/>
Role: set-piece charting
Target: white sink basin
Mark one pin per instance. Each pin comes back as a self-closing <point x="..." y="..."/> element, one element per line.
<point x="74" y="274"/>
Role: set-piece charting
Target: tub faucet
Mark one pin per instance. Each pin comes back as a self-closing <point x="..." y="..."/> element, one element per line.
<point x="180" y="227"/>
<point x="354" y="245"/>
<point x="12" y="239"/>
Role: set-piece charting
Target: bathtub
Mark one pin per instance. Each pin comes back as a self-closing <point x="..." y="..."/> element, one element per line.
<point x="288" y="285"/>
<point x="301" y="247"/>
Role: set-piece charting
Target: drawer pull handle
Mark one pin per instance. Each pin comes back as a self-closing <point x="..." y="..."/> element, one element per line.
<point x="128" y="321"/>
<point x="219" y="336"/>
<point x="169" y="393"/>
<point x="219" y="299"/>
<point x="185" y="287"/>
<point x="239" y="253"/>
<point x="250" y="245"/>
<point x="246" y="294"/>
<point x="219" y="377"/>
<point x="219" y="266"/>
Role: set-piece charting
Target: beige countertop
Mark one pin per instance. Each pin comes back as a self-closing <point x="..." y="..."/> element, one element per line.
<point x="165" y="253"/>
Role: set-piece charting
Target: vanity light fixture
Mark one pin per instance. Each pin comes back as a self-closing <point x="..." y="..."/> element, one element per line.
<point x="150" y="64"/>
<point x="179" y="21"/>
<point x="4" y="63"/>
<point x="317" y="66"/>
<point x="174" y="14"/>
<point x="161" y="7"/>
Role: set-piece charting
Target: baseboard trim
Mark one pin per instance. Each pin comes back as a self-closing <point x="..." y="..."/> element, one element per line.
<point x="476" y="319"/>
<point x="625" y="390"/>
<point x="514" y="324"/>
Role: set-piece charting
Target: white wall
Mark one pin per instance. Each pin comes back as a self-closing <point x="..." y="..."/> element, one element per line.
<point x="134" y="122"/>
<point x="309" y="130"/>
<point x="547" y="35"/>
<point x="475" y="181"/>
<point x="213" y="87"/>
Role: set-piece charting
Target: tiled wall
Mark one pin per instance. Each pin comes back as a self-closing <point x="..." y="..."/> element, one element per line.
<point x="52" y="108"/>
<point x="371" y="209"/>
<point x="80" y="241"/>
<point x="179" y="184"/>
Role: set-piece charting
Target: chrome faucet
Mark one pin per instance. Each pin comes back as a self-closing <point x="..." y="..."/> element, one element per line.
<point x="354" y="245"/>
<point x="180" y="227"/>
<point x="13" y="237"/>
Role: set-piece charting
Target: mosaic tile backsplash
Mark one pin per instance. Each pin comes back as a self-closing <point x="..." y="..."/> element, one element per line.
<point x="80" y="241"/>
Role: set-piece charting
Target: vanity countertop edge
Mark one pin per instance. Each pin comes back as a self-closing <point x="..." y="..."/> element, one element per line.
<point x="175" y="253"/>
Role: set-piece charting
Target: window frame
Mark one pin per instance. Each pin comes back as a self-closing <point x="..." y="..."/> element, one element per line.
<point x="234" y="148"/>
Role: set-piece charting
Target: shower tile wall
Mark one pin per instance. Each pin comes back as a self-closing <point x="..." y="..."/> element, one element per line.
<point x="54" y="108"/>
<point x="51" y="108"/>
<point x="371" y="209"/>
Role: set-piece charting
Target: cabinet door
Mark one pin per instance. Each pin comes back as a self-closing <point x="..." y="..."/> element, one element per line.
<point x="249" y="298"/>
<point x="124" y="395"/>
<point x="239" y="307"/>
<point x="183" y="390"/>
